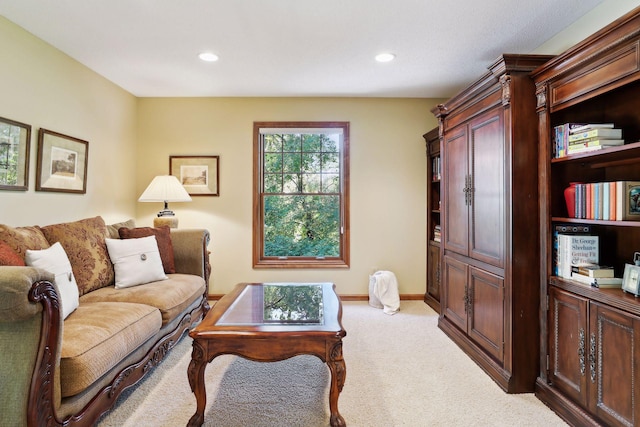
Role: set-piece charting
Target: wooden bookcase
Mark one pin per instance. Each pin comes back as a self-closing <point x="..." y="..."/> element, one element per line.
<point x="489" y="285"/>
<point x="432" y="294"/>
<point x="590" y="337"/>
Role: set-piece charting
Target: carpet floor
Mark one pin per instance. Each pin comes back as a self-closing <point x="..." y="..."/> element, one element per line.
<point x="401" y="371"/>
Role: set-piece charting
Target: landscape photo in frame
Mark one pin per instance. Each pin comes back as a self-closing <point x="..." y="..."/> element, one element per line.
<point x="62" y="163"/>
<point x="199" y="175"/>
<point x="15" y="139"/>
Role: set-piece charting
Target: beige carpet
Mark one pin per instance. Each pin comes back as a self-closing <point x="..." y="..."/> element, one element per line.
<point x="401" y="371"/>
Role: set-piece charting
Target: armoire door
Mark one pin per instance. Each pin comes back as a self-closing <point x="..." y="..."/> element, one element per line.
<point x="485" y="293"/>
<point x="568" y="344"/>
<point x="487" y="183"/>
<point x="455" y="194"/>
<point x="455" y="297"/>
<point x="614" y="363"/>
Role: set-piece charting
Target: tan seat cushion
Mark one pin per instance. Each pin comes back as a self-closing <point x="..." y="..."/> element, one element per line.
<point x="170" y="296"/>
<point x="98" y="335"/>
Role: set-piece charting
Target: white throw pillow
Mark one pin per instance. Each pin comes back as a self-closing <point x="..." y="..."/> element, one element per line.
<point x="135" y="261"/>
<point x="55" y="261"/>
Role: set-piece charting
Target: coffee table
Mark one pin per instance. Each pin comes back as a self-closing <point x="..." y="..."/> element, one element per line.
<point x="269" y="322"/>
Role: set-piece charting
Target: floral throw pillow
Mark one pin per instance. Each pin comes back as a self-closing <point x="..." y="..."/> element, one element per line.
<point x="84" y="242"/>
<point x="19" y="239"/>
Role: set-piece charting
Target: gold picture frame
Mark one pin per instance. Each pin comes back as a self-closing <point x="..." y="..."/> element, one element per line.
<point x="15" y="140"/>
<point x="199" y="175"/>
<point x="62" y="163"/>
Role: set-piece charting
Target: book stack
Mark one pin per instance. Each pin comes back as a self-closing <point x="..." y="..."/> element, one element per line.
<point x="574" y="138"/>
<point x="436" y="172"/>
<point x="593" y="137"/>
<point x="437" y="233"/>
<point x="576" y="250"/>
<point x="608" y="201"/>
<point x="596" y="275"/>
<point x="565" y="229"/>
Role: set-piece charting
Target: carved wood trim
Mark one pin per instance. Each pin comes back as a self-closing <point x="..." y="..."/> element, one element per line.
<point x="541" y="97"/>
<point x="41" y="399"/>
<point x="505" y="83"/>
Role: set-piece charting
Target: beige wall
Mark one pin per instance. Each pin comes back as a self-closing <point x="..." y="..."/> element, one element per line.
<point x="45" y="88"/>
<point x="599" y="17"/>
<point x="130" y="141"/>
<point x="388" y="181"/>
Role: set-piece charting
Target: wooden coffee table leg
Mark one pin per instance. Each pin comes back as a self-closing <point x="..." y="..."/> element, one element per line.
<point x="338" y="374"/>
<point x="195" y="373"/>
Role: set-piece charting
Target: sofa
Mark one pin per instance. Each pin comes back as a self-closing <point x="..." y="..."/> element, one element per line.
<point x="88" y="309"/>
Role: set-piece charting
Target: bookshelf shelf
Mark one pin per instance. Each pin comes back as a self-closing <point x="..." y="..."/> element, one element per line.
<point x="609" y="296"/>
<point x="597" y="222"/>
<point x="432" y="292"/>
<point x="614" y="156"/>
<point x="596" y="81"/>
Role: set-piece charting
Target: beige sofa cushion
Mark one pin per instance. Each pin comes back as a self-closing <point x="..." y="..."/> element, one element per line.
<point x="97" y="336"/>
<point x="112" y="229"/>
<point x="84" y="243"/>
<point x="170" y="296"/>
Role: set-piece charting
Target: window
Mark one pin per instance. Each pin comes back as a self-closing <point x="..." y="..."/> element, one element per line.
<point x="301" y="194"/>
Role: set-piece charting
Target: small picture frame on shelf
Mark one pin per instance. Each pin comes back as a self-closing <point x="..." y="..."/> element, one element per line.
<point x="62" y="163"/>
<point x="631" y="279"/>
<point x="15" y="139"/>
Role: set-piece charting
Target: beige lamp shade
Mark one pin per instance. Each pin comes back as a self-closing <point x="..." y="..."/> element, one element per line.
<point x="165" y="188"/>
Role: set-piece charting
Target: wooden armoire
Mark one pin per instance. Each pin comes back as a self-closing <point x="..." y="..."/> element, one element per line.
<point x="489" y="216"/>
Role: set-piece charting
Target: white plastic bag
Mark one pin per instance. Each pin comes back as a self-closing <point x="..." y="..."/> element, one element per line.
<point x="383" y="292"/>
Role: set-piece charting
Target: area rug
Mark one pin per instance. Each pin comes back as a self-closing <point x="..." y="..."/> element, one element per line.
<point x="401" y="371"/>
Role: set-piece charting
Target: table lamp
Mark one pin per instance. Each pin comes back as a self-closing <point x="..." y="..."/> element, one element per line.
<point x="165" y="188"/>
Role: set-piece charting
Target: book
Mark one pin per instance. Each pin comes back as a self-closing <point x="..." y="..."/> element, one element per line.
<point x="561" y="138"/>
<point x="589" y="126"/>
<point x="598" y="133"/>
<point x="612" y="200"/>
<point x="594" y="145"/>
<point x="605" y="201"/>
<point x="564" y="229"/>
<point x="593" y="270"/>
<point x="598" y="282"/>
<point x="628" y="200"/>
<point x="594" y="142"/>
<point x="576" y="250"/>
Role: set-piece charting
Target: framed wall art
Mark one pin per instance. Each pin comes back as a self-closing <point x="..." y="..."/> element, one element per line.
<point x="62" y="163"/>
<point x="15" y="139"/>
<point x="199" y="175"/>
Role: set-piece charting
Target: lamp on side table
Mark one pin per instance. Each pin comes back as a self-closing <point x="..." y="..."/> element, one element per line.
<point x="165" y="188"/>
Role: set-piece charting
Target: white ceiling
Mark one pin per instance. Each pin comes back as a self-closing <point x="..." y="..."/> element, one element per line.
<point x="293" y="47"/>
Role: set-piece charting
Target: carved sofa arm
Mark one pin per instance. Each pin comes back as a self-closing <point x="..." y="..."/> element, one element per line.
<point x="31" y="325"/>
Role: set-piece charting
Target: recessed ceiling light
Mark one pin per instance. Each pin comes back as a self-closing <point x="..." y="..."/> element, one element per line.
<point x="208" y="56"/>
<point x="385" y="57"/>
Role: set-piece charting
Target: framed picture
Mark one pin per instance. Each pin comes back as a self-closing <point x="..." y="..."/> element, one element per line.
<point x="198" y="174"/>
<point x="631" y="201"/>
<point x="15" y="139"/>
<point x="631" y="279"/>
<point x="62" y="163"/>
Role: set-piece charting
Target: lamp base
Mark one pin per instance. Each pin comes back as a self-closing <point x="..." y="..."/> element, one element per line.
<point x="171" y="221"/>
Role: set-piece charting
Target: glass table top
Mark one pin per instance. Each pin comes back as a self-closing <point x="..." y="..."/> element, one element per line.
<point x="277" y="303"/>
